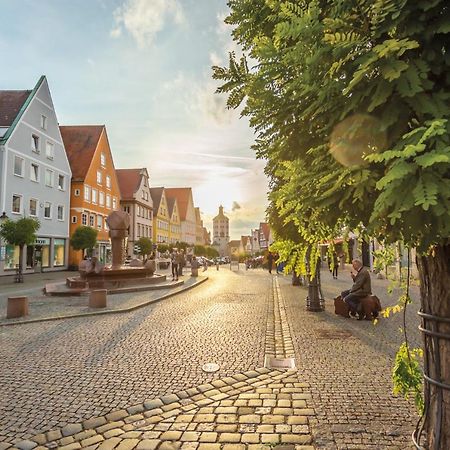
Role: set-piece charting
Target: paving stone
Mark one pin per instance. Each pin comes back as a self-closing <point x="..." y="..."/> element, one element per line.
<point x="127" y="444"/>
<point x="39" y="438"/>
<point x="208" y="437"/>
<point x="152" y="404"/>
<point x="72" y="446"/>
<point x="111" y="443"/>
<point x="26" y="445"/>
<point x="169" y="445"/>
<point x="116" y="415"/>
<point x="170" y="398"/>
<point x="53" y="435"/>
<point x="296" y="439"/>
<point x="92" y="440"/>
<point x="171" y="435"/>
<point x="148" y="444"/>
<point x="94" y="422"/>
<point x="209" y="447"/>
<point x="71" y="429"/>
<point x="113" y="433"/>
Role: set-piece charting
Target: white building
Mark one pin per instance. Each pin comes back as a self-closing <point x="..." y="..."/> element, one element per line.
<point x="34" y="177"/>
<point x="221" y="233"/>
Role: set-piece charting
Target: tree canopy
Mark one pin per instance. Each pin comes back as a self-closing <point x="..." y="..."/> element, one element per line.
<point x="350" y="104"/>
<point x="20" y="232"/>
<point x="84" y="238"/>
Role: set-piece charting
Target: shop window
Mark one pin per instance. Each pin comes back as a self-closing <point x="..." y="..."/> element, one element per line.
<point x="11" y="256"/>
<point x="59" y="248"/>
<point x="42" y="251"/>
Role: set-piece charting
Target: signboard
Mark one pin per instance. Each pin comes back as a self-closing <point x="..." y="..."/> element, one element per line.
<point x="42" y="241"/>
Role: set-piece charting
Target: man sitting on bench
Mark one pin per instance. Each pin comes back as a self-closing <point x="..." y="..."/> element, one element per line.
<point x="360" y="289"/>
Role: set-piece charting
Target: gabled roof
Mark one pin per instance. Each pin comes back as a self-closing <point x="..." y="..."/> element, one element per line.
<point x="245" y="240"/>
<point x="156" y="194"/>
<point x="129" y="182"/>
<point x="171" y="205"/>
<point x="12" y="105"/>
<point x="182" y="195"/>
<point x="198" y="216"/>
<point x="80" y="142"/>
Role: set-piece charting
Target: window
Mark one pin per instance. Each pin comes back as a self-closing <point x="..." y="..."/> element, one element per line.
<point x="99" y="177"/>
<point x="43" y="122"/>
<point x="17" y="204"/>
<point x="59" y="247"/>
<point x="108" y="201"/>
<point x="99" y="222"/>
<point x="74" y="219"/>
<point x="114" y="203"/>
<point x="35" y="143"/>
<point x="18" y="166"/>
<point x="108" y="181"/>
<point x="102" y="159"/>
<point x="87" y="193"/>
<point x="47" y="210"/>
<point x="77" y="192"/>
<point x="34" y="172"/>
<point x="49" y="150"/>
<point x="91" y="220"/>
<point x="61" y="182"/>
<point x="60" y="212"/>
<point x="84" y="219"/>
<point x="33" y="207"/>
<point x="94" y="195"/>
<point x="48" y="177"/>
<point x="101" y="198"/>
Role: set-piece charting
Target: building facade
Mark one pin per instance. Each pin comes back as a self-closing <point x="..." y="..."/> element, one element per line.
<point x="221" y="233"/>
<point x="186" y="209"/>
<point x="161" y="217"/>
<point x="34" y="177"/>
<point x="94" y="189"/>
<point x="136" y="200"/>
<point x="199" y="234"/>
<point x="174" y="220"/>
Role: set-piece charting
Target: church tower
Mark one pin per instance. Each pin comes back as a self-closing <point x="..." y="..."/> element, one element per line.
<point x="221" y="232"/>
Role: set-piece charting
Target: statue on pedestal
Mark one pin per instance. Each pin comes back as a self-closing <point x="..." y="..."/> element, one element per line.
<point x="118" y="223"/>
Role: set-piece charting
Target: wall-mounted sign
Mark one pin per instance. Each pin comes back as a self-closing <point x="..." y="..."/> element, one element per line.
<point x="42" y="241"/>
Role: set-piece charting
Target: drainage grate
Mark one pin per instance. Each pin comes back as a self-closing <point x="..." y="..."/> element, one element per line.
<point x="271" y="362"/>
<point x="333" y="334"/>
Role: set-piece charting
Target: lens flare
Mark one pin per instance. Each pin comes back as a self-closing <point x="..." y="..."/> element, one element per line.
<point x="355" y="137"/>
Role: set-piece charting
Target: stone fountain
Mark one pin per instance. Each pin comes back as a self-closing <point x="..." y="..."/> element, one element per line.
<point x="95" y="275"/>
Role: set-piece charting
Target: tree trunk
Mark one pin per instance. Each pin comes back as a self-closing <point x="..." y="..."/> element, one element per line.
<point x="20" y="277"/>
<point x="434" y="272"/>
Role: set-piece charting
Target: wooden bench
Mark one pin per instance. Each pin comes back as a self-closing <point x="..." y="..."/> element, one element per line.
<point x="371" y="307"/>
<point x="16" y="307"/>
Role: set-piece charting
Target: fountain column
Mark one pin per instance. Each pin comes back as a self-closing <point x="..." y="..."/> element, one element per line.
<point x="118" y="223"/>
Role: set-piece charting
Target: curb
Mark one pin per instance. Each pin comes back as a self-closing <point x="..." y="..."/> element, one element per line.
<point x="111" y="311"/>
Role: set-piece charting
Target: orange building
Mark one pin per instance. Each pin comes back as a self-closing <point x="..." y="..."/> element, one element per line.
<point x="94" y="189"/>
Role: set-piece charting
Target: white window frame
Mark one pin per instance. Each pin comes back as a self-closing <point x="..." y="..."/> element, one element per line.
<point x="101" y="198"/>
<point x="20" y="197"/>
<point x="43" y="122"/>
<point x="99" y="221"/>
<point x="99" y="177"/>
<point x="32" y="165"/>
<point x="91" y="220"/>
<point x="49" y="145"/>
<point x="94" y="198"/>
<point x="57" y="213"/>
<point x="108" y="181"/>
<point x="51" y="175"/>
<point x="63" y="188"/>
<point x="35" y="143"/>
<point x="84" y="219"/>
<point x="74" y="219"/>
<point x="114" y="203"/>
<point x="77" y="192"/>
<point x="45" y="206"/>
<point x="102" y="159"/>
<point x="108" y="201"/>
<point x="37" y="207"/>
<point x="22" y="166"/>
<point x="87" y="193"/>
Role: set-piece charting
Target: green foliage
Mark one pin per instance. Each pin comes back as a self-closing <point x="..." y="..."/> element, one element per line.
<point x="407" y="375"/>
<point x="84" y="238"/>
<point x="383" y="257"/>
<point x="163" y="248"/>
<point x="145" y="246"/>
<point x="211" y="252"/>
<point x="199" y="250"/>
<point x="20" y="232"/>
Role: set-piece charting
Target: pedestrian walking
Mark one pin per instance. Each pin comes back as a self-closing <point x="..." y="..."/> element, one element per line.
<point x="335" y="266"/>
<point x="181" y="262"/>
<point x="270" y="261"/>
<point x="174" y="262"/>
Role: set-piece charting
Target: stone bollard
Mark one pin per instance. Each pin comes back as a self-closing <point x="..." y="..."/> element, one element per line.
<point x="17" y="307"/>
<point x="97" y="298"/>
<point x="194" y="272"/>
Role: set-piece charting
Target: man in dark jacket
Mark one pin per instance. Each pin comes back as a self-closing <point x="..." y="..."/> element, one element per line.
<point x="360" y="289"/>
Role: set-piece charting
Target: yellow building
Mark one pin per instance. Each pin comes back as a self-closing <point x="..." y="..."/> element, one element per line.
<point x="175" y="221"/>
<point x="161" y="216"/>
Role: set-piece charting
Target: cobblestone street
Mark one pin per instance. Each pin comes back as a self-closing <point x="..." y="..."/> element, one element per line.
<point x="135" y="379"/>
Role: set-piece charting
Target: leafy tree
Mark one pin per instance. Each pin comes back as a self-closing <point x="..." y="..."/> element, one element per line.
<point x="163" y="248"/>
<point x="199" y="250"/>
<point x="20" y="232"/>
<point x="211" y="252"/>
<point x="145" y="246"/>
<point x="84" y="238"/>
<point x="350" y="102"/>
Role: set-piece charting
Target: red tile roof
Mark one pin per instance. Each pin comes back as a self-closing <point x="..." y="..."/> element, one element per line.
<point x="129" y="182"/>
<point x="182" y="195"/>
<point x="10" y="104"/>
<point x="81" y="142"/>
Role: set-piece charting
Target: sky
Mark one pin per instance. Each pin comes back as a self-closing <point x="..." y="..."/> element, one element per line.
<point x="143" y="68"/>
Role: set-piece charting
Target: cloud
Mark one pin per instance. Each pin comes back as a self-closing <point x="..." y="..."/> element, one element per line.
<point x="143" y="19"/>
<point x="235" y="206"/>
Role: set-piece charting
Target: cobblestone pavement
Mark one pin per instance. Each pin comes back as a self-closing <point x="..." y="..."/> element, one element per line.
<point x="348" y="365"/>
<point x="55" y="373"/>
<point x="339" y="395"/>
